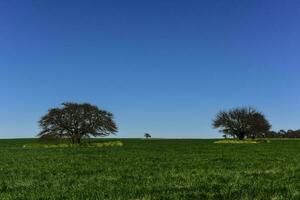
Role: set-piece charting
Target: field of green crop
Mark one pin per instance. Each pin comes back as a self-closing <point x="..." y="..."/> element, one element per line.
<point x="151" y="169"/>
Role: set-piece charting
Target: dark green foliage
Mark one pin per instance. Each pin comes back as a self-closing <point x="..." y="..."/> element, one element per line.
<point x="76" y="121"/>
<point x="152" y="169"/>
<point x="242" y="122"/>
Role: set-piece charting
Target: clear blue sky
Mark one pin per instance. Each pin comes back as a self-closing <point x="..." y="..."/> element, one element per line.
<point x="162" y="66"/>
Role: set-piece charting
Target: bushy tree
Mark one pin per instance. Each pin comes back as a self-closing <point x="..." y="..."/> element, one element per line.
<point x="242" y="122"/>
<point x="75" y="121"/>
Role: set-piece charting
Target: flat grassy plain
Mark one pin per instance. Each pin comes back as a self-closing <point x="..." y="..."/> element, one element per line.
<point x="151" y="169"/>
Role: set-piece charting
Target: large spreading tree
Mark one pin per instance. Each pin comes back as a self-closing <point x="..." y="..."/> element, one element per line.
<point x="242" y="122"/>
<point x="76" y="121"/>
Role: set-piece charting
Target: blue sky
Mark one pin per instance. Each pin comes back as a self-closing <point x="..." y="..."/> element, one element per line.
<point x="162" y="66"/>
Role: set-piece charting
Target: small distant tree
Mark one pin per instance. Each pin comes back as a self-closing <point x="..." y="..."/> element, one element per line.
<point x="242" y="122"/>
<point x="147" y="136"/>
<point x="76" y="121"/>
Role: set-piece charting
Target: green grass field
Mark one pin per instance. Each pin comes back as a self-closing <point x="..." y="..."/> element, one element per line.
<point x="152" y="169"/>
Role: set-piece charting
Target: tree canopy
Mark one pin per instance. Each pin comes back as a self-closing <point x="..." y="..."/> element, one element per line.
<point x="242" y="122"/>
<point x="75" y="121"/>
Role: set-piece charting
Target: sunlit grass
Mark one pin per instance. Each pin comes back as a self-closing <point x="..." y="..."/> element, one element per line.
<point x="67" y="145"/>
<point x="236" y="141"/>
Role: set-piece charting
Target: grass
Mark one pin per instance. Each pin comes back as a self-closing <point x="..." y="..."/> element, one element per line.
<point x="246" y="141"/>
<point x="151" y="169"/>
<point x="68" y="145"/>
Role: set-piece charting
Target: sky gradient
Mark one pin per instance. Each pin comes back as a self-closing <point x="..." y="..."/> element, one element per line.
<point x="162" y="66"/>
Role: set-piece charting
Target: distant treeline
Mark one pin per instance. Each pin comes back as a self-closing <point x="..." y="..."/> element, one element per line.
<point x="283" y="134"/>
<point x="273" y="134"/>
